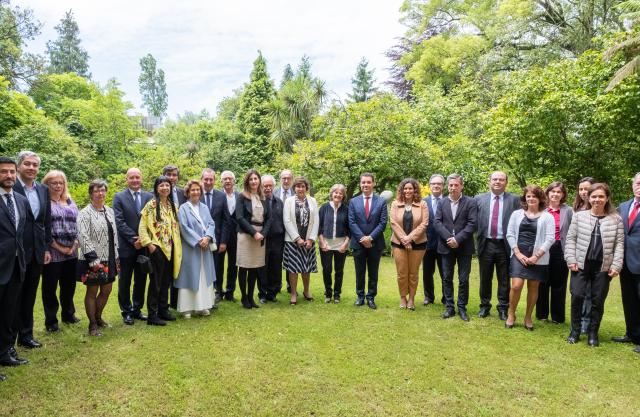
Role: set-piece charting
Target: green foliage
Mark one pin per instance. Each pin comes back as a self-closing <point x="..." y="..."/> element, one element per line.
<point x="229" y="106"/>
<point x="65" y="53"/>
<point x="363" y="82"/>
<point x="287" y="75"/>
<point x="153" y="88"/>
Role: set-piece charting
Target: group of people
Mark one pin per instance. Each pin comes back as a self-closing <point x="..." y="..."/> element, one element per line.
<point x="179" y="238"/>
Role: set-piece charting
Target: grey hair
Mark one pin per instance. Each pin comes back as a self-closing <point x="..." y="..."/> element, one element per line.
<point x="208" y="171"/>
<point x="436" y="176"/>
<point x="168" y="168"/>
<point x="27" y="154"/>
<point x="286" y="171"/>
<point x="335" y="187"/>
<point x="635" y="177"/>
<point x="228" y="173"/>
<point x="97" y="183"/>
<point x="455" y="177"/>
<point x="268" y="177"/>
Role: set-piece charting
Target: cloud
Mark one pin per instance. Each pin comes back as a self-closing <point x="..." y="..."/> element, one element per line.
<point x="207" y="48"/>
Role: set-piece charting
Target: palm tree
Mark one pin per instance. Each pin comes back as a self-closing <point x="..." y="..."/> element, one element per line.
<point x="630" y="47"/>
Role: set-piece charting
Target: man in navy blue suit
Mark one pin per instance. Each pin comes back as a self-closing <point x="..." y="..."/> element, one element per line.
<point x="367" y="221"/>
<point x="127" y="205"/>
<point x="37" y="240"/>
<point x="215" y="200"/>
<point x="13" y="218"/>
<point x="630" y="275"/>
<point x="431" y="256"/>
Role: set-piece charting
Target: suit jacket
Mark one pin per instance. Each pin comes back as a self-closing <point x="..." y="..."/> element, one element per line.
<point x="244" y="212"/>
<point x="181" y="197"/>
<point x="37" y="233"/>
<point x="11" y="240"/>
<point x="229" y="222"/>
<point x="290" y="222"/>
<point x="631" y="238"/>
<point x="373" y="226"/>
<point x="127" y="220"/>
<point x="277" y="213"/>
<point x="218" y="206"/>
<point x="510" y="202"/>
<point x="278" y="191"/>
<point x="462" y="227"/>
<point x="432" y="235"/>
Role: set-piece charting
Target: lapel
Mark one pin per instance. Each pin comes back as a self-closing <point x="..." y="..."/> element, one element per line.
<point x="625" y="215"/>
<point x="42" y="195"/>
<point x="130" y="199"/>
<point x="5" y="209"/>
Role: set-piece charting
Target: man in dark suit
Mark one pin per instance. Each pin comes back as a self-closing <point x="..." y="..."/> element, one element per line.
<point x="283" y="192"/>
<point x="216" y="202"/>
<point x="630" y="275"/>
<point x="455" y="223"/>
<point x="229" y="237"/>
<point x="13" y="219"/>
<point x="37" y="240"/>
<point x="173" y="174"/>
<point x="127" y="205"/>
<point x="367" y="221"/>
<point x="431" y="256"/>
<point x="494" y="210"/>
<point x="270" y="278"/>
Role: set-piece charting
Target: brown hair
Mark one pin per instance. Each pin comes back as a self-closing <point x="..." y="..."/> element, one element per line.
<point x="557" y="184"/>
<point x="246" y="191"/>
<point x="416" y="190"/>
<point x="535" y="190"/>
<point x="578" y="203"/>
<point x="188" y="187"/>
<point x="300" y="180"/>
<point x="608" y="207"/>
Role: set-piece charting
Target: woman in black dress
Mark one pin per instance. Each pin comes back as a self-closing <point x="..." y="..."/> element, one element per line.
<point x="530" y="234"/>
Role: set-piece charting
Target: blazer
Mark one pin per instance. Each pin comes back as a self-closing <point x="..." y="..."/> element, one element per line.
<point x="325" y="221"/>
<point x="229" y="222"/>
<point x="290" y="224"/>
<point x="127" y="220"/>
<point x="510" y="202"/>
<point x="462" y="227"/>
<point x="244" y="211"/>
<point x="566" y="214"/>
<point x="431" y="233"/>
<point x="278" y="191"/>
<point x="373" y="226"/>
<point x="579" y="237"/>
<point x="631" y="238"/>
<point x="218" y="205"/>
<point x="12" y="240"/>
<point x="545" y="233"/>
<point x="37" y="233"/>
<point x="181" y="197"/>
<point x="149" y="232"/>
<point x="191" y="231"/>
<point x="93" y="234"/>
<point x="420" y="214"/>
<point x="277" y="213"/>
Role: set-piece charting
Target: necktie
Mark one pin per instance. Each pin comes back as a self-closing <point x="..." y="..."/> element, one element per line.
<point x="366" y="207"/>
<point x="494" y="217"/>
<point x="137" y="199"/>
<point x="209" y="200"/>
<point x="632" y="216"/>
<point x="12" y="211"/>
<point x="435" y="204"/>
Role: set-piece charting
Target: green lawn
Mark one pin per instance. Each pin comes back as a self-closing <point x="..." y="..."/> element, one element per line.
<point x="326" y="360"/>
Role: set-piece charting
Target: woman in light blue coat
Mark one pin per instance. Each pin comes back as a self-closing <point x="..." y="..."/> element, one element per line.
<point x="197" y="272"/>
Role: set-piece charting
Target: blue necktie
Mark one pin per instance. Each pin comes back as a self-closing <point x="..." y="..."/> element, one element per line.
<point x="137" y="199"/>
<point x="12" y="211"/>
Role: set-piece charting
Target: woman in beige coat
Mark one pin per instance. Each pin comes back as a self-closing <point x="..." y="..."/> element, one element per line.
<point x="409" y="219"/>
<point x="594" y="252"/>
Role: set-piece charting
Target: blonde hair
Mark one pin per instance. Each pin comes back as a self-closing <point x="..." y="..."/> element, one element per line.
<point x="54" y="173"/>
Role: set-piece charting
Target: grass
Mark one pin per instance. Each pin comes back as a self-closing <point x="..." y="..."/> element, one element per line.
<point x="326" y="360"/>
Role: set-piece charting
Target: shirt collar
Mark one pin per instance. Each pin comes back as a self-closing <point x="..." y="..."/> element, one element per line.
<point x="3" y="192"/>
<point x="33" y="186"/>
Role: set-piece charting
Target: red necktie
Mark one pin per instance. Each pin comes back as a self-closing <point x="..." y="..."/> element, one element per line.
<point x="494" y="218"/>
<point x="634" y="213"/>
<point x="366" y="207"/>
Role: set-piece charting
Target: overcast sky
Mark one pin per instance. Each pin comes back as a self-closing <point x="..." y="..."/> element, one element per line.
<point x="207" y="48"/>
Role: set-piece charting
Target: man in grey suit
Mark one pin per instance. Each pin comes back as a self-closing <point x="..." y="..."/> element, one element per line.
<point x="630" y="275"/>
<point x="494" y="210"/>
<point x="284" y="191"/>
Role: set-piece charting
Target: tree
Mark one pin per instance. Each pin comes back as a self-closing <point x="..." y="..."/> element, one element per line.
<point x="17" y="26"/>
<point x="304" y="68"/>
<point x="152" y="87"/>
<point x="253" y="119"/>
<point x="229" y="106"/>
<point x="630" y="47"/>
<point x="363" y="83"/>
<point x="65" y="53"/>
<point x="287" y="75"/>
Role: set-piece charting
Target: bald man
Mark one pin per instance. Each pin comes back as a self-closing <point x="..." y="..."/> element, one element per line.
<point x="127" y="205"/>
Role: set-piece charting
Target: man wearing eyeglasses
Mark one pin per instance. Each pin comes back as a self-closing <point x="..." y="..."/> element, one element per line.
<point x="431" y="256"/>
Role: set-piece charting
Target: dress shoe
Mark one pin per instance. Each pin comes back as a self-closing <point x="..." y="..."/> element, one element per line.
<point x="139" y="316"/>
<point x="128" y="320"/>
<point x="218" y="298"/>
<point x="71" y="320"/>
<point x="372" y="304"/>
<point x="426" y="302"/>
<point x="205" y="312"/>
<point x="30" y="343"/>
<point x="463" y="315"/>
<point x="230" y="297"/>
<point x="359" y="302"/>
<point x="3" y="378"/>
<point x="484" y="312"/>
<point x="574" y="337"/>
<point x="186" y="315"/>
<point x="448" y="313"/>
<point x="502" y="314"/>
<point x="622" y="339"/>
<point x="53" y="328"/>
<point x="9" y="360"/>
<point x="14" y="355"/>
<point x="327" y="300"/>
<point x="166" y="316"/>
<point x="155" y="321"/>
<point x="593" y="339"/>
<point x="336" y="300"/>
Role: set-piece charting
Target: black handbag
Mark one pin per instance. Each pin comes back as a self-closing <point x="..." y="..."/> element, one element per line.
<point x="145" y="264"/>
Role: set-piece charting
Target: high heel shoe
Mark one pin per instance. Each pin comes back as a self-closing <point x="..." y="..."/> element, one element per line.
<point x="530" y="328"/>
<point x="293" y="302"/>
<point x="509" y="326"/>
<point x="307" y="298"/>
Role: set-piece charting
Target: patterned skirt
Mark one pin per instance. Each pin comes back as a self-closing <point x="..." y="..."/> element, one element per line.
<point x="298" y="259"/>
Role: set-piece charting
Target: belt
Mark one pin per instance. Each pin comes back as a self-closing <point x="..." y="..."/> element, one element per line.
<point x="256" y="224"/>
